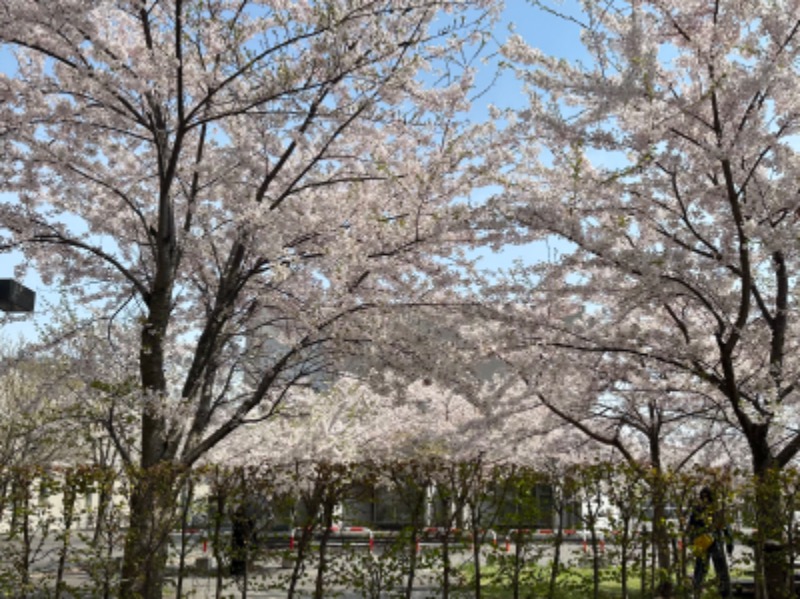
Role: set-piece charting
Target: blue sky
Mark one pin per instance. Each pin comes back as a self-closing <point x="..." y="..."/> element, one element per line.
<point x="539" y="28"/>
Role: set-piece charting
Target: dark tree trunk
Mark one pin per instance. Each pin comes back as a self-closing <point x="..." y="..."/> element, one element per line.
<point x="184" y="548"/>
<point x="327" y="528"/>
<point x="153" y="490"/>
<point x="152" y="510"/>
<point x="417" y="523"/>
<point x="771" y="551"/>
<point x="661" y="545"/>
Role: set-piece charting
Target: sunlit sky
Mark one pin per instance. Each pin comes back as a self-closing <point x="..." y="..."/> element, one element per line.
<point x="546" y="31"/>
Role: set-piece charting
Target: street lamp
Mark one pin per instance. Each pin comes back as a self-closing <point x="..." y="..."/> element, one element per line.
<point x="15" y="297"/>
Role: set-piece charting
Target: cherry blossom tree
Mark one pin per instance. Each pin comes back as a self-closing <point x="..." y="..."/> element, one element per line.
<point x="528" y="389"/>
<point x="657" y="422"/>
<point x="238" y="178"/>
<point x="668" y="161"/>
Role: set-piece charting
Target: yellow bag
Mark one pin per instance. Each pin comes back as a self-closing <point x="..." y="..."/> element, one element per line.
<point x="701" y="544"/>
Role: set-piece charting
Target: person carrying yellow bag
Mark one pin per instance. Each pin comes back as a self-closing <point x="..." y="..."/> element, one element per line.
<point x="709" y="536"/>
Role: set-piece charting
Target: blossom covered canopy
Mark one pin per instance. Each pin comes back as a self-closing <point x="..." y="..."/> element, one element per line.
<point x="239" y="179"/>
<point x="670" y="164"/>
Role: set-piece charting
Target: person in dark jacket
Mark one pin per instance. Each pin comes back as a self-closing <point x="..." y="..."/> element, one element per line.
<point x="709" y="536"/>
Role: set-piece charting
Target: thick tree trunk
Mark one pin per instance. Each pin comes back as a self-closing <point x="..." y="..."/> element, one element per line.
<point x="153" y="491"/>
<point x="661" y="538"/>
<point x="661" y="542"/>
<point x="771" y="551"/>
<point x="152" y="509"/>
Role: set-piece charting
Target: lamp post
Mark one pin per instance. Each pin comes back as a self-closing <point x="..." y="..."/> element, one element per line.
<point x="15" y="297"/>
